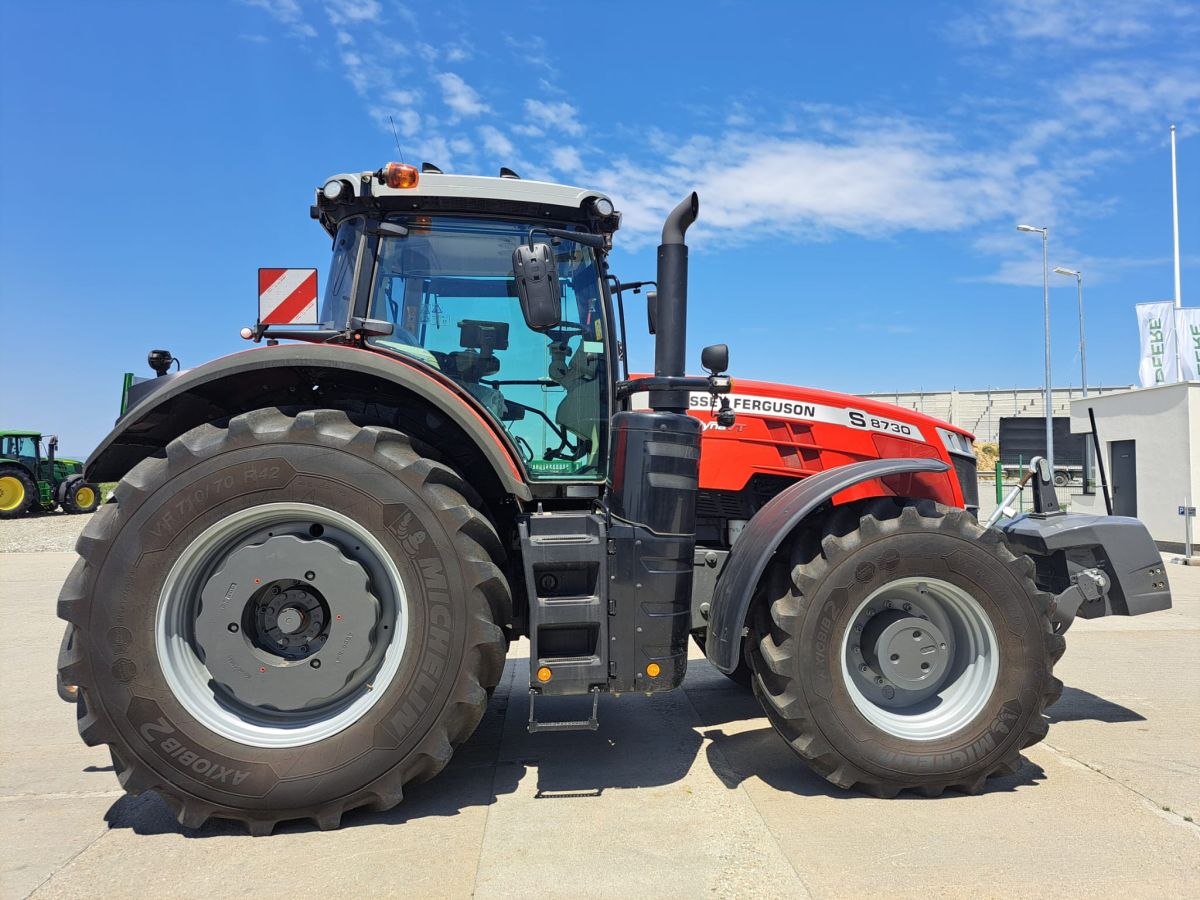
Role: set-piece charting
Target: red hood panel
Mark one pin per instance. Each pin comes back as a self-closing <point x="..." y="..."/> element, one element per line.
<point x="790" y="432"/>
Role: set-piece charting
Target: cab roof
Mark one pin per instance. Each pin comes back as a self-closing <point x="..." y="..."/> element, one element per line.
<point x="434" y="184"/>
<point x="441" y="193"/>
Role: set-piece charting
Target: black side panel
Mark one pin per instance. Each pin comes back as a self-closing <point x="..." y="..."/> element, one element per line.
<point x="653" y="477"/>
<point x="655" y="471"/>
<point x="766" y="531"/>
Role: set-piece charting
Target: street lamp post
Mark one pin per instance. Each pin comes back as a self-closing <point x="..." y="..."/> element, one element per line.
<point x="1087" y="447"/>
<point x="1078" y="276"/>
<point x="1045" y="233"/>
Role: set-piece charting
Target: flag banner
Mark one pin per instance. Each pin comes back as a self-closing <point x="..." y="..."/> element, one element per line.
<point x="1159" y="362"/>
<point x="1187" y="332"/>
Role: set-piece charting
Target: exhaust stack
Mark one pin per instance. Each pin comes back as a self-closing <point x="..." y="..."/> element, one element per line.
<point x="670" y="344"/>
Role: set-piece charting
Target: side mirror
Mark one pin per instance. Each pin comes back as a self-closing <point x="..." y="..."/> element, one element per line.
<point x="715" y="358"/>
<point x="537" y="286"/>
<point x="652" y="311"/>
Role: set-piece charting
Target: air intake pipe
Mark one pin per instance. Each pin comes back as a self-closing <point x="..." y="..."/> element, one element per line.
<point x="671" y="315"/>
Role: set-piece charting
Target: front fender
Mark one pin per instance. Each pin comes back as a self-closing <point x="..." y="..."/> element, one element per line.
<point x="763" y="535"/>
<point x="249" y="379"/>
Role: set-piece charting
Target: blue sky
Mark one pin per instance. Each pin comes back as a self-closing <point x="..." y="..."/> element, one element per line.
<point x="861" y="170"/>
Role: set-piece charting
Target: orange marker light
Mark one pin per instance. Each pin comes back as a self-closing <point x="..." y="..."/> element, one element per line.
<point x="544" y="674"/>
<point x="399" y="175"/>
<point x="654" y="670"/>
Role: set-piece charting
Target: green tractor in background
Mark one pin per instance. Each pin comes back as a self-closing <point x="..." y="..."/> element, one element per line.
<point x="28" y="479"/>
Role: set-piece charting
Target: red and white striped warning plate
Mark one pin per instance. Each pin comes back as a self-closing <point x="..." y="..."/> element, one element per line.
<point x="287" y="296"/>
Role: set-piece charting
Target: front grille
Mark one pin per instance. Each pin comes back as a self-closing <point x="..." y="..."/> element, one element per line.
<point x="964" y="468"/>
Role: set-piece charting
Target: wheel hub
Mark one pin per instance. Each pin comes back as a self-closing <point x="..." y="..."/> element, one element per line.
<point x="290" y="619"/>
<point x="920" y="658"/>
<point x="911" y="653"/>
<point x="287" y="623"/>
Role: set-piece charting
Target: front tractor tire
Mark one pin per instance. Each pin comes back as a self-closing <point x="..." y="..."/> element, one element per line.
<point x="907" y="648"/>
<point x="81" y="497"/>
<point x="285" y="616"/>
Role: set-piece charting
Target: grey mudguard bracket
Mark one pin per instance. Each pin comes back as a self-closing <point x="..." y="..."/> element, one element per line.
<point x="763" y="535"/>
<point x="1068" y="547"/>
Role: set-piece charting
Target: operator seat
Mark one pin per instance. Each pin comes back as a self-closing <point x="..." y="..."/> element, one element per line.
<point x="579" y="412"/>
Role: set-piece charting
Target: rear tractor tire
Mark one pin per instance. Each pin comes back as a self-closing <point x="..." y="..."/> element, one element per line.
<point x="908" y="648"/>
<point x="17" y="492"/>
<point x="287" y="616"/>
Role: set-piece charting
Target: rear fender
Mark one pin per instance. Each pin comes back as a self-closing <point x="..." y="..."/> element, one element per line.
<point x="764" y="534"/>
<point x="296" y="375"/>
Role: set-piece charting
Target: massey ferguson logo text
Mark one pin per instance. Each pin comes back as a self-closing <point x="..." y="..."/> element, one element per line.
<point x="784" y="408"/>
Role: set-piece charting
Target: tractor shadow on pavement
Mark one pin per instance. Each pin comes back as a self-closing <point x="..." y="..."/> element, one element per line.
<point x="642" y="742"/>
<point x="742" y="745"/>
<point x="1077" y="705"/>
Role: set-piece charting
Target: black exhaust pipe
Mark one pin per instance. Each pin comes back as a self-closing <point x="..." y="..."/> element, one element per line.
<point x="670" y="346"/>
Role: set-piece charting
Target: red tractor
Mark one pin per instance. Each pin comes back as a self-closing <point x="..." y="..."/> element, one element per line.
<point x="300" y="597"/>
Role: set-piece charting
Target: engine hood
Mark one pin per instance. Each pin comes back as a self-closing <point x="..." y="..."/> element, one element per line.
<point x="769" y="400"/>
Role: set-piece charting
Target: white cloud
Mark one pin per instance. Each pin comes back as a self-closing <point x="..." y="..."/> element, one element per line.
<point x="552" y="116"/>
<point x="566" y="160"/>
<point x="1077" y="23"/>
<point x="462" y="99"/>
<point x="496" y="143"/>
<point x="1111" y="95"/>
<point x="350" y="12"/>
<point x="879" y="178"/>
<point x="287" y="13"/>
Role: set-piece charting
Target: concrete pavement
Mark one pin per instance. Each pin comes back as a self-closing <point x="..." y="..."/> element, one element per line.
<point x="688" y="794"/>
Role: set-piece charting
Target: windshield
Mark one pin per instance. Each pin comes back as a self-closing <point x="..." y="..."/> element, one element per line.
<point x="448" y="289"/>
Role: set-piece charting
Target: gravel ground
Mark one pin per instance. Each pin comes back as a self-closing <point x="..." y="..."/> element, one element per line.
<point x="41" y="531"/>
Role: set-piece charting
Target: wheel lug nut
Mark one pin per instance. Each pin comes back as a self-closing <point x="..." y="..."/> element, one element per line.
<point x="895" y="657"/>
<point x="864" y="668"/>
<point x="310" y="575"/>
<point x="316" y="663"/>
<point x="878" y="680"/>
<point x="887" y="604"/>
<point x="858" y="628"/>
<point x="908" y="607"/>
<point x="856" y="650"/>
<point x="233" y="627"/>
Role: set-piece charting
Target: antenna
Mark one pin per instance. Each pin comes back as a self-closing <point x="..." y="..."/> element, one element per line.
<point x="397" y="137"/>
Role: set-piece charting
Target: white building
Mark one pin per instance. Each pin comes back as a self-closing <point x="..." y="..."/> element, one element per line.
<point x="1151" y="443"/>
<point x="980" y="411"/>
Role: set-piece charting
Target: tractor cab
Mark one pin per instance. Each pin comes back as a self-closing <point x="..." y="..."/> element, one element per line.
<point x="425" y="261"/>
